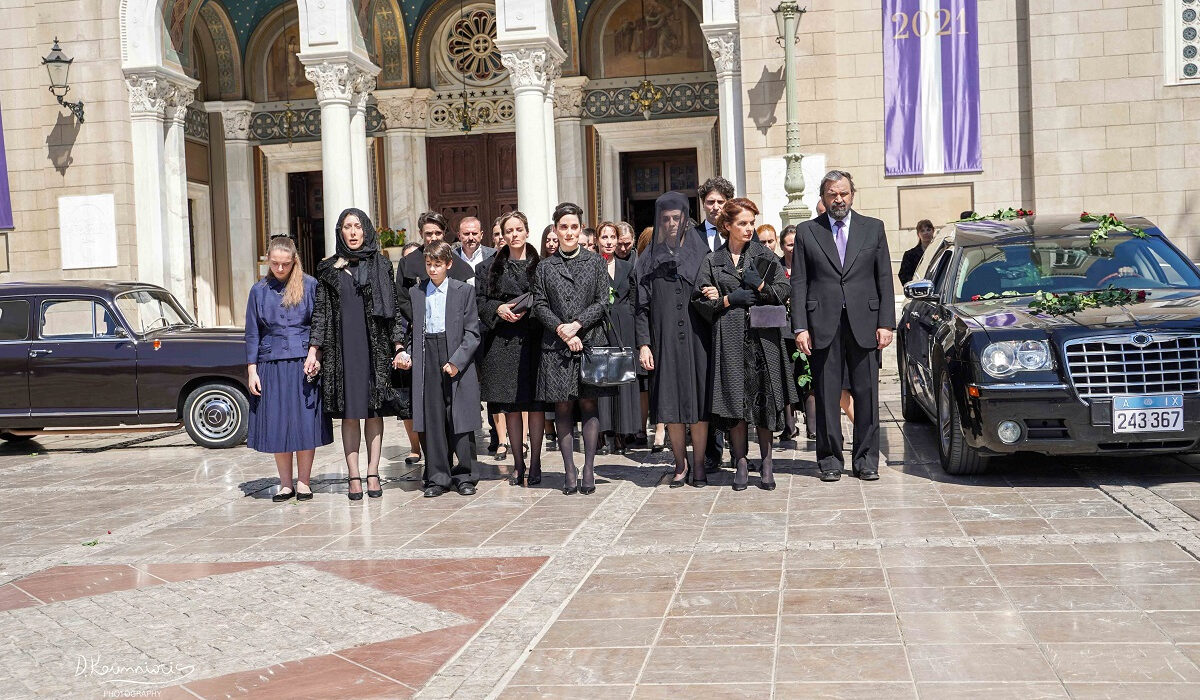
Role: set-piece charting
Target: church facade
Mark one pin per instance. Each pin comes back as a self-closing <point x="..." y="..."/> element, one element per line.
<point x="212" y="125"/>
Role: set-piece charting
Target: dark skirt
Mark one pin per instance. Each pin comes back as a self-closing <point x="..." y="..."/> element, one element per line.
<point x="355" y="354"/>
<point x="288" y="416"/>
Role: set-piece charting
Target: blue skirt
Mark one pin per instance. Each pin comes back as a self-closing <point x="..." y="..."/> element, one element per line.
<point x="288" y="417"/>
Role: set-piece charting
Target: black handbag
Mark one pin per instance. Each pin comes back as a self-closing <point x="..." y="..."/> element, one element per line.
<point x="771" y="316"/>
<point x="607" y="365"/>
<point x="521" y="304"/>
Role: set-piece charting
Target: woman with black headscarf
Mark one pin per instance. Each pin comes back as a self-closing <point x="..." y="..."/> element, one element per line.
<point x="352" y="331"/>
<point x="672" y="337"/>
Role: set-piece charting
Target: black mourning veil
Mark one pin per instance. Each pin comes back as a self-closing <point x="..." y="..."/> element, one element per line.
<point x="676" y="246"/>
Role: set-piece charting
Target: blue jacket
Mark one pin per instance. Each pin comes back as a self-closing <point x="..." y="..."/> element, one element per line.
<point x="272" y="331"/>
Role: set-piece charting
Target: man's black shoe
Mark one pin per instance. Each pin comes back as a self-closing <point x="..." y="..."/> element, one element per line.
<point x="867" y="474"/>
<point x="466" y="489"/>
<point x="434" y="491"/>
<point x="831" y="476"/>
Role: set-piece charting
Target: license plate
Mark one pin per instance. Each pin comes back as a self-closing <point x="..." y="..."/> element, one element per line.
<point x="1148" y="414"/>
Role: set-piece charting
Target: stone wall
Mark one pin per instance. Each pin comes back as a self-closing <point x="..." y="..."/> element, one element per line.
<point x="49" y="153"/>
<point x="1044" y="145"/>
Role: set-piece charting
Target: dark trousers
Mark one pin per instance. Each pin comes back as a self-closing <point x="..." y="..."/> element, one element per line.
<point x="438" y="444"/>
<point x="715" y="449"/>
<point x="862" y="365"/>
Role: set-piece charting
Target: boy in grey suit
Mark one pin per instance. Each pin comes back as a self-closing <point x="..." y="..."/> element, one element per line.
<point x="444" y="336"/>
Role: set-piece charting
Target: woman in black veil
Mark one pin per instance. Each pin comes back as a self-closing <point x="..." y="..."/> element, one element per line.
<point x="352" y="330"/>
<point x="672" y="338"/>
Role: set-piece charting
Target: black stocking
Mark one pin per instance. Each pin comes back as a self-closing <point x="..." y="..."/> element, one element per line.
<point x="765" y="440"/>
<point x="738" y="448"/>
<point x="591" y="439"/>
<point x="564" y="421"/>
<point x="810" y="414"/>
<point x="675" y="431"/>
<point x="699" y="444"/>
<point x="789" y="419"/>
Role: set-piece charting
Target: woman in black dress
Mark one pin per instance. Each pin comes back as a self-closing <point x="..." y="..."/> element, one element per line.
<point x="352" y="331"/>
<point x="620" y="415"/>
<point x="570" y="291"/>
<point x="672" y="337"/>
<point x="508" y="368"/>
<point x="756" y="371"/>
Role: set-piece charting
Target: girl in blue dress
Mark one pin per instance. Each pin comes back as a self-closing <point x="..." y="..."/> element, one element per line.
<point x="286" y="416"/>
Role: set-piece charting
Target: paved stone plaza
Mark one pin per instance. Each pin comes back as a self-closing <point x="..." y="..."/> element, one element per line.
<point x="143" y="566"/>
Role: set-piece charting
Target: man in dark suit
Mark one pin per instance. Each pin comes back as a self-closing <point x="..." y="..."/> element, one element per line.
<point x="713" y="194"/>
<point x="843" y="313"/>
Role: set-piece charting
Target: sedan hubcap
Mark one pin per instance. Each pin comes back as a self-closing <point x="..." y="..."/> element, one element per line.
<point x="215" y="416"/>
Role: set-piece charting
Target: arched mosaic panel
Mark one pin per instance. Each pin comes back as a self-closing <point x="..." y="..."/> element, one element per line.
<point x="225" y="50"/>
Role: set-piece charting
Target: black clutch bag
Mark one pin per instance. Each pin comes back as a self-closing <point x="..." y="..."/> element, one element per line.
<point x="523" y="303"/>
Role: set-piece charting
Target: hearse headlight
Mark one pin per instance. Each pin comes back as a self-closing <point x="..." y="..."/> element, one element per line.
<point x="1006" y="358"/>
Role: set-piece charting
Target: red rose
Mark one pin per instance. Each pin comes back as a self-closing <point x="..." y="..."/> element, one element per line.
<point x="1084" y="214"/>
<point x="1141" y="295"/>
<point x="976" y="298"/>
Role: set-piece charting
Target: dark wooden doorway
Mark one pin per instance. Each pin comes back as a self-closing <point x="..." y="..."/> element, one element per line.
<point x="646" y="176"/>
<point x="472" y="175"/>
<point x="306" y="225"/>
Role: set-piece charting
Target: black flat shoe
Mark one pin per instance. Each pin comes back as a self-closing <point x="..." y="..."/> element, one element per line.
<point x="304" y="495"/>
<point x="434" y="491"/>
<point x="766" y="485"/>
<point x="739" y="487"/>
<point x="587" y="490"/>
<point x="350" y="494"/>
<point x="570" y="490"/>
<point x="412" y="458"/>
<point x="281" y="496"/>
<point x="699" y="483"/>
<point x="466" y="489"/>
<point x="374" y="493"/>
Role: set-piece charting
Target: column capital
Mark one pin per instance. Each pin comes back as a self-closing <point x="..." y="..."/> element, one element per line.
<point x="723" y="44"/>
<point x="568" y="97"/>
<point x="155" y="92"/>
<point x="235" y="118"/>
<point x="532" y="66"/>
<point x="339" y="78"/>
<point x="405" y="108"/>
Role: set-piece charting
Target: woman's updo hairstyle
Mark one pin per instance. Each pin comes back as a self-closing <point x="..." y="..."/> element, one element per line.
<point x="567" y="209"/>
<point x="730" y="210"/>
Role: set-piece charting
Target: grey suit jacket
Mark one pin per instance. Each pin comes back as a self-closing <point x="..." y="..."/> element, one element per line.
<point x="822" y="286"/>
<point x="462" y="340"/>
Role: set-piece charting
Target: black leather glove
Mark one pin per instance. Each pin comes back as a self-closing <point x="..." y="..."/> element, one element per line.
<point x="741" y="297"/>
<point x="750" y="276"/>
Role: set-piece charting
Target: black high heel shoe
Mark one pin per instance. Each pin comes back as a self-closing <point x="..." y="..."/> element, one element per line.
<point x="587" y="490"/>
<point x="502" y="451"/>
<point x="570" y="490"/>
<point x="681" y="481"/>
<point x="743" y="474"/>
<point x="516" y="478"/>
<point x="412" y="458"/>
<point x="534" y="479"/>
<point x="350" y="494"/>
<point x="374" y="493"/>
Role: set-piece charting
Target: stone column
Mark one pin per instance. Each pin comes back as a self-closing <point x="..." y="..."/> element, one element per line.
<point x="406" y="115"/>
<point x="147" y="102"/>
<point x="335" y="87"/>
<point x="239" y="185"/>
<point x="176" y="227"/>
<point x="528" y="67"/>
<point x="359" y="162"/>
<point x="723" y="43"/>
<point x="551" y="147"/>
<point x="568" y="135"/>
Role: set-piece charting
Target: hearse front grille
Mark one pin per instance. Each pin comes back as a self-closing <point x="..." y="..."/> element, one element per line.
<point x="1111" y="365"/>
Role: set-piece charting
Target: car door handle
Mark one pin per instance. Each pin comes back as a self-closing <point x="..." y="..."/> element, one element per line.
<point x="40" y="351"/>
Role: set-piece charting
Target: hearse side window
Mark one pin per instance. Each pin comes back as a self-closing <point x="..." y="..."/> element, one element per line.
<point x="14" y="319"/>
<point x="69" y="319"/>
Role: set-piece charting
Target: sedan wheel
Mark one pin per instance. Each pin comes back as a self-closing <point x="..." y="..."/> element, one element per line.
<point x="956" y="455"/>
<point x="910" y="410"/>
<point x="216" y="415"/>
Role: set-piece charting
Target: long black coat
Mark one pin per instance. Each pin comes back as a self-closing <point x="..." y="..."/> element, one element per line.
<point x="326" y="327"/>
<point x="462" y="340"/>
<point x="679" y="338"/>
<point x="566" y="291"/>
<point x="753" y="364"/>
<point x="622" y="414"/>
<point x="508" y="363"/>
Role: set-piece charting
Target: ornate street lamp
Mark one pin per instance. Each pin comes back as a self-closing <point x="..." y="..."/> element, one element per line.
<point x="58" y="66"/>
<point x="787" y="21"/>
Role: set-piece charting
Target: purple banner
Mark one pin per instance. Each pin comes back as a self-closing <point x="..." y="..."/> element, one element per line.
<point x="6" y="216"/>
<point x="931" y="87"/>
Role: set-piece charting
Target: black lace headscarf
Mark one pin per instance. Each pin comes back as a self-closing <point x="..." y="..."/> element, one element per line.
<point x="367" y="265"/>
<point x="676" y="249"/>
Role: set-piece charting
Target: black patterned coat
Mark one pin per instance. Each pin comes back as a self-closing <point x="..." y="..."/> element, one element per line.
<point x="326" y="325"/>
<point x="752" y="368"/>
<point x="508" y="363"/>
<point x="566" y="291"/>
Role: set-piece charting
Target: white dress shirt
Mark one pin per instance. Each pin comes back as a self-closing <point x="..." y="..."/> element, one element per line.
<point x="472" y="260"/>
<point x="435" y="307"/>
